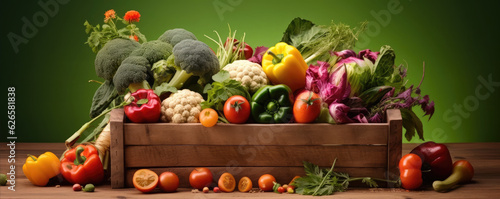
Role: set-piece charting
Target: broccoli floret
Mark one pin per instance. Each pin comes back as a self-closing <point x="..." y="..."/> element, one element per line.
<point x="109" y="58"/>
<point x="133" y="73"/>
<point x="153" y="51"/>
<point x="193" y="58"/>
<point x="163" y="71"/>
<point x="174" y="36"/>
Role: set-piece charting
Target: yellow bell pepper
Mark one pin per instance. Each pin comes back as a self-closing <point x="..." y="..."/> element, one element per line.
<point x="40" y="170"/>
<point x="283" y="64"/>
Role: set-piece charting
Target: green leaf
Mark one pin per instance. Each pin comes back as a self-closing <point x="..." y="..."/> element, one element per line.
<point x="221" y="76"/>
<point x="207" y="88"/>
<point x="296" y="27"/>
<point x="88" y="27"/>
<point x="103" y="96"/>
<point x="370" y="182"/>
<point x="373" y="95"/>
<point x="164" y="88"/>
<point x="384" y="66"/>
<point x="411" y="122"/>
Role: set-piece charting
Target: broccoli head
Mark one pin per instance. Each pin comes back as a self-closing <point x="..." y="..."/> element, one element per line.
<point x="133" y="73"/>
<point x="153" y="51"/>
<point x="109" y="58"/>
<point x="174" y="36"/>
<point x="193" y="58"/>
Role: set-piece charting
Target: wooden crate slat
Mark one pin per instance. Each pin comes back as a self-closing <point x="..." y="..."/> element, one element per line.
<point x="282" y="174"/>
<point x="395" y="145"/>
<point x="116" y="149"/>
<point x="223" y="155"/>
<point x="254" y="134"/>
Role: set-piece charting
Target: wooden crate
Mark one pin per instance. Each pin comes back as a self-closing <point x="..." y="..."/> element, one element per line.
<point x="253" y="149"/>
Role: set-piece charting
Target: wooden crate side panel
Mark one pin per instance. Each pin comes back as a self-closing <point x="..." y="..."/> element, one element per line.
<point x="205" y="155"/>
<point x="255" y="134"/>
<point x="394" y="145"/>
<point x="282" y="174"/>
<point x="116" y="149"/>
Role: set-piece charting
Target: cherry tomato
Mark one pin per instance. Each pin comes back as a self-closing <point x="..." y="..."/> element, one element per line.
<point x="227" y="183"/>
<point x="307" y="107"/>
<point x="410" y="171"/>
<point x="169" y="182"/>
<point x="281" y="189"/>
<point x="266" y="182"/>
<point x="245" y="184"/>
<point x="208" y="117"/>
<point x="200" y="177"/>
<point x="145" y="180"/>
<point x="237" y="109"/>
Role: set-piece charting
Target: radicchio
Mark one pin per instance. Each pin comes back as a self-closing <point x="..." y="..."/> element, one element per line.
<point x="331" y="87"/>
<point x="259" y="53"/>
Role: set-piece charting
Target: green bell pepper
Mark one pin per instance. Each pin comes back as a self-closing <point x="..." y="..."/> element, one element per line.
<point x="272" y="104"/>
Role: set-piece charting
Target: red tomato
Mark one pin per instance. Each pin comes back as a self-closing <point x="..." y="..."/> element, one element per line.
<point x="237" y="109"/>
<point x="266" y="182"/>
<point x="200" y="177"/>
<point x="307" y="107"/>
<point x="410" y="173"/>
<point x="209" y="117"/>
<point x="169" y="182"/>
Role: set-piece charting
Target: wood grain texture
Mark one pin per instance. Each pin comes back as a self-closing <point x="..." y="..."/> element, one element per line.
<point x="254" y="134"/>
<point x="394" y="138"/>
<point x="205" y="155"/>
<point x="282" y="174"/>
<point x="484" y="157"/>
<point x="116" y="149"/>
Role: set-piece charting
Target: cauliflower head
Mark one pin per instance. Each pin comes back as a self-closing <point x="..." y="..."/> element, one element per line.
<point x="182" y="107"/>
<point x="248" y="73"/>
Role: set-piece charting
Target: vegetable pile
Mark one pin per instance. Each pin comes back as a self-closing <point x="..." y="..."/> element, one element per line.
<point x="311" y="75"/>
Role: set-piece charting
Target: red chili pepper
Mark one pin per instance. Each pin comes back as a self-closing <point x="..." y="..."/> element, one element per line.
<point x="146" y="107"/>
<point x="410" y="173"/>
<point x="436" y="158"/>
<point x="82" y="165"/>
<point x="247" y="50"/>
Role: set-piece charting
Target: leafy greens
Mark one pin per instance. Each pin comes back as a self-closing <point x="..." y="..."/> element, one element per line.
<point x="319" y="182"/>
<point x="316" y="42"/>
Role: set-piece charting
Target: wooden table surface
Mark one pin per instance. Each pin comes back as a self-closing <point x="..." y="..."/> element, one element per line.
<point x="485" y="157"/>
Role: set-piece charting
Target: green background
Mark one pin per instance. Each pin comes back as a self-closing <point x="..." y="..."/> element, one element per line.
<point x="457" y="41"/>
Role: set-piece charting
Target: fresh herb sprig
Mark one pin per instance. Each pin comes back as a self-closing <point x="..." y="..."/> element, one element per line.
<point x="319" y="182"/>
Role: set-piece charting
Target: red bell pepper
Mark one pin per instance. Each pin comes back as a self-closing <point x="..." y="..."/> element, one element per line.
<point x="81" y="165"/>
<point x="146" y="107"/>
<point x="436" y="158"/>
<point x="409" y="171"/>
